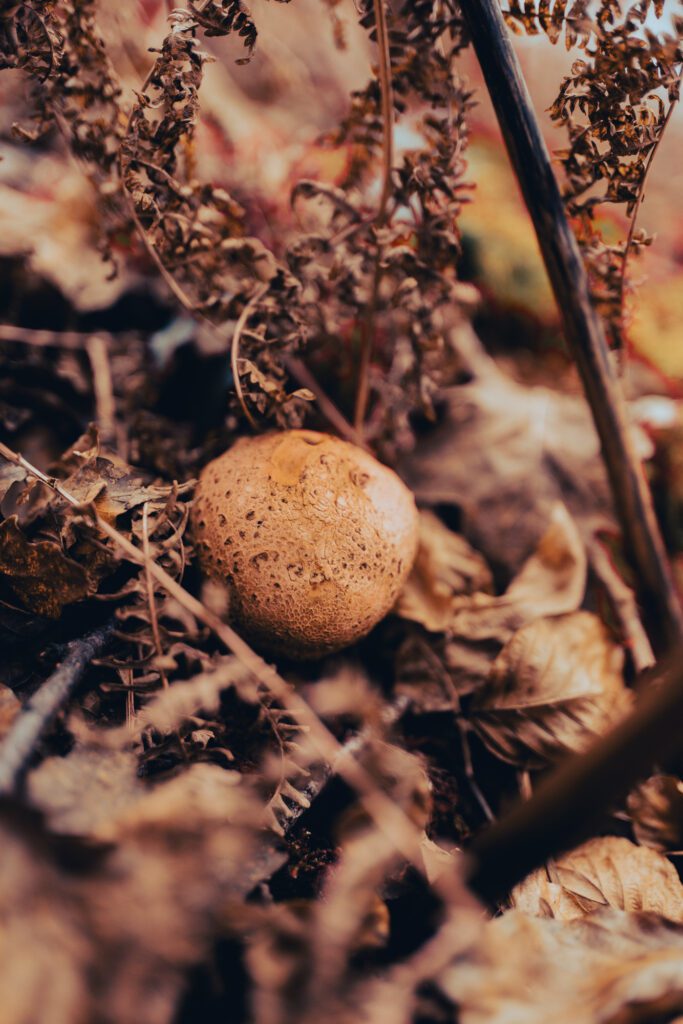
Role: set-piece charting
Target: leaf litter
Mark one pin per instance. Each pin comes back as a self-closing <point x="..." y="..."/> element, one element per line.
<point x="181" y="848"/>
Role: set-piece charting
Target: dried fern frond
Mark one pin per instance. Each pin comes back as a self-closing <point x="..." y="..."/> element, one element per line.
<point x="392" y="275"/>
<point x="615" y="105"/>
<point x="195" y="231"/>
<point x="75" y="87"/>
<point x="224" y="17"/>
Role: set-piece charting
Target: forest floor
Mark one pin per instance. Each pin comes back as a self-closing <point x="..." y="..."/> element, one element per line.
<point x="196" y="826"/>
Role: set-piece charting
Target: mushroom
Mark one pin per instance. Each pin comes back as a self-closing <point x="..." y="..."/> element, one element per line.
<point x="313" y="537"/>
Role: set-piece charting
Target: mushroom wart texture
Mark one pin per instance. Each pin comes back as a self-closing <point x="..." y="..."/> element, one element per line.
<point x="313" y="537"/>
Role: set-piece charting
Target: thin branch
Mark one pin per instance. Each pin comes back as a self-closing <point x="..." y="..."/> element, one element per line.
<point x="641" y="197"/>
<point x="583" y="329"/>
<point x="103" y="388"/>
<point x="46" y="338"/>
<point x="18" y="748"/>
<point x="568" y="803"/>
<point x="624" y="605"/>
<point x="235" y="349"/>
<point x="363" y="393"/>
<point x="387" y="108"/>
<point x="149" y="587"/>
<point x="352" y="747"/>
<point x="335" y="418"/>
<point x="366" y="332"/>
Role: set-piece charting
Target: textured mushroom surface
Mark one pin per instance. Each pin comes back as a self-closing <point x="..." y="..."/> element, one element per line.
<point x="313" y="537"/>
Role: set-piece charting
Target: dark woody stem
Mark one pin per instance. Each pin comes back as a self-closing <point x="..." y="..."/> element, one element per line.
<point x="583" y="329"/>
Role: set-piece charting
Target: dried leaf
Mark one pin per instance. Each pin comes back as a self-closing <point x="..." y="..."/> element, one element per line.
<point x="551" y="581"/>
<point x="610" y="966"/>
<point x="114" y="487"/>
<point x="446" y="565"/>
<point x="656" y="809"/>
<point x="42" y="576"/>
<point x="606" y="871"/>
<point x="505" y="454"/>
<point x="436" y="673"/>
<point x="555" y="686"/>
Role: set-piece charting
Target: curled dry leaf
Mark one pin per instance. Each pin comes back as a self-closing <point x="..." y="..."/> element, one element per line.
<point x="114" y="487"/>
<point x="435" y="673"/>
<point x="555" y="686"/>
<point x="656" y="809"/>
<point x="607" y="968"/>
<point x="445" y="565"/>
<point x="39" y="573"/>
<point x="552" y="581"/>
<point x="606" y="871"/>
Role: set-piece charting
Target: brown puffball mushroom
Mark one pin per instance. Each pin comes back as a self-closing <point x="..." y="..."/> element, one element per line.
<point x="313" y="537"/>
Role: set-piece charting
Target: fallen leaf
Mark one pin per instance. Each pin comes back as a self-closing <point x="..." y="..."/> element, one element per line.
<point x="607" y="871"/>
<point x="552" y="581"/>
<point x="611" y="967"/>
<point x="656" y="809"/>
<point x="114" y="487"/>
<point x="446" y="565"/>
<point x="505" y="454"/>
<point x="436" y="672"/>
<point x="553" y="688"/>
<point x="40" y="574"/>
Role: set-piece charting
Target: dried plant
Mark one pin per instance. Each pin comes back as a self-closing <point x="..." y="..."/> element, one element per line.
<point x="309" y="818"/>
<point x="615" y="106"/>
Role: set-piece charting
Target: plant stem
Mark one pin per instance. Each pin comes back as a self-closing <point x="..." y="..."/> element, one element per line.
<point x="641" y="196"/>
<point x="19" y="745"/>
<point x="584" y="332"/>
<point x="387" y="108"/>
<point x="380" y="218"/>
<point x="235" y="349"/>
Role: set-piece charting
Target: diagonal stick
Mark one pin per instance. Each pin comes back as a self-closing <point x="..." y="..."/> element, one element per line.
<point x="583" y="329"/>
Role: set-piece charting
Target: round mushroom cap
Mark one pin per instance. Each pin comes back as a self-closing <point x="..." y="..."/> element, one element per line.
<point x="313" y="537"/>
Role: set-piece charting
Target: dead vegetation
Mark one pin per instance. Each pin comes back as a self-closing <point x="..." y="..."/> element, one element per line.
<point x="464" y="804"/>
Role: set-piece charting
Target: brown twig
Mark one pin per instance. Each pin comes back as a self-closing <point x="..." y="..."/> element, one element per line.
<point x="235" y="350"/>
<point x="624" y="605"/>
<point x="363" y="392"/>
<point x="103" y="388"/>
<point x="335" y="418"/>
<point x="46" y="338"/>
<point x="583" y="329"/>
<point x="351" y="748"/>
<point x="387" y="108"/>
<point x="149" y="585"/>
<point x="18" y="747"/>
